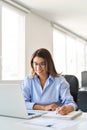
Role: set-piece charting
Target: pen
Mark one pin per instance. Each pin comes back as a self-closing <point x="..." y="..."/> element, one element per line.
<point x="58" y="109"/>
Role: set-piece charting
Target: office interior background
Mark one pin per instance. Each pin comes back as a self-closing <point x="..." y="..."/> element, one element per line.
<point x="26" y="26"/>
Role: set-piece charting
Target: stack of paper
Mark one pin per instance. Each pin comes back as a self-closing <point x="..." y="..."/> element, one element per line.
<point x="69" y="116"/>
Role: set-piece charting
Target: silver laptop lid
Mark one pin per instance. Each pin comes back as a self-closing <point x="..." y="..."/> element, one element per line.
<point x="11" y="101"/>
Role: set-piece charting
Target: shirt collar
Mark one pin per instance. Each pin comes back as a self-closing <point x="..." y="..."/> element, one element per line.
<point x="49" y="78"/>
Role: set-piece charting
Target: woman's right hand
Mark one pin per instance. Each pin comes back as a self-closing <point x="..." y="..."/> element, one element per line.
<point x="51" y="107"/>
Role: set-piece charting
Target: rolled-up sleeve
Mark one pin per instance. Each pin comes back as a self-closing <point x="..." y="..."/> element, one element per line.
<point x="66" y="97"/>
<point x="26" y="89"/>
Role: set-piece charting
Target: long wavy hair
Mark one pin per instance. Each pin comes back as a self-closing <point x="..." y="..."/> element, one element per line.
<point x="45" y="54"/>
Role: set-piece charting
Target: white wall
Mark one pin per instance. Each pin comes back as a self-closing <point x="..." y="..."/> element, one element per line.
<point x="38" y="35"/>
<point x="0" y="44"/>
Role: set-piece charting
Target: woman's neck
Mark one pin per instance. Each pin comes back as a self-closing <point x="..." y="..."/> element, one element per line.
<point x="43" y="80"/>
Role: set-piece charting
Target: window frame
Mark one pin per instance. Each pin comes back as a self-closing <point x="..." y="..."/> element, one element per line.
<point x="20" y="12"/>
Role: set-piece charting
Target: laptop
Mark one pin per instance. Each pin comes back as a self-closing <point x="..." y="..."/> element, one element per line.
<point x="12" y="103"/>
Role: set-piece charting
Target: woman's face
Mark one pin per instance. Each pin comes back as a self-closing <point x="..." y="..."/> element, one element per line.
<point x="40" y="66"/>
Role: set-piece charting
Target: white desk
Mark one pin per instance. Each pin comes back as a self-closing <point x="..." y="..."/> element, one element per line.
<point x="7" y="123"/>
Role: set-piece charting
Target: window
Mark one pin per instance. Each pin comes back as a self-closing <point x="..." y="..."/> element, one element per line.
<point x="70" y="54"/>
<point x="59" y="46"/>
<point x="12" y="44"/>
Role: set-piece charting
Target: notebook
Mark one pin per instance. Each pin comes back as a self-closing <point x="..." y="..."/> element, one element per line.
<point x="12" y="103"/>
<point x="69" y="116"/>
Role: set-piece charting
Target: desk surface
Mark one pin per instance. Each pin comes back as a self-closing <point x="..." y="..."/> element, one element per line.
<point x="7" y="123"/>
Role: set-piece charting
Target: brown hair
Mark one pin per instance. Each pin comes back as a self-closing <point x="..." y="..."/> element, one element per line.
<point x="45" y="54"/>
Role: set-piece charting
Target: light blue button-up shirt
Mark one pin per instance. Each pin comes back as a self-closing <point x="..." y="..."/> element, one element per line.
<point x="56" y="90"/>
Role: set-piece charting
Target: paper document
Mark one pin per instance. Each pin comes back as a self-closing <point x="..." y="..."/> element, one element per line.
<point x="52" y="123"/>
<point x="69" y="116"/>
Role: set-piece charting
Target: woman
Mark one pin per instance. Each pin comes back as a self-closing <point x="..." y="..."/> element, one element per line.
<point x="45" y="89"/>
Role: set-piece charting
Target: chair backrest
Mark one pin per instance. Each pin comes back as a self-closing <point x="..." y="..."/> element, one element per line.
<point x="74" y="86"/>
<point x="84" y="78"/>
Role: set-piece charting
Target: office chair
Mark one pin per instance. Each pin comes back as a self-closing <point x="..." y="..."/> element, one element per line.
<point x="84" y="78"/>
<point x="74" y="86"/>
<point x="82" y="100"/>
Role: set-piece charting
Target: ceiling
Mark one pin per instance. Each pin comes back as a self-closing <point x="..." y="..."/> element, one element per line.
<point x="71" y="14"/>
